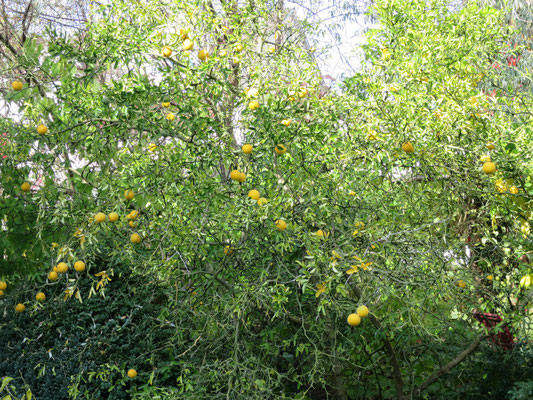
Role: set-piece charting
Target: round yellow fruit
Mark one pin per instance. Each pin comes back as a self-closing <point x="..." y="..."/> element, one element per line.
<point x="254" y="194"/>
<point x="490" y="277"/>
<point x="52" y="276"/>
<point x="54" y="268"/>
<point x="183" y="34"/>
<point x="133" y="214"/>
<point x="3" y="285"/>
<point x="262" y="201"/>
<point x="20" y="307"/>
<point x="247" y="148"/>
<point x="132" y="224"/>
<point x="79" y="266"/>
<point x="253" y="105"/>
<point x="235" y="60"/>
<point x="62" y="267"/>
<point x="362" y="311"/>
<point x="222" y="53"/>
<point x="242" y="177"/>
<point x="238" y="47"/>
<point x="25" y="187"/>
<point x="286" y="122"/>
<point x="408" y="147"/>
<point x="41" y="129"/>
<point x="319" y="233"/>
<point x="167" y="51"/>
<point x="113" y="217"/>
<point x="188" y="44"/>
<point x="281" y="225"/>
<point x="354" y="319"/>
<point x="526" y="281"/>
<point x="40" y="296"/>
<point x="152" y="147"/>
<point x="513" y="190"/>
<point x="99" y="217"/>
<point x="489" y="167"/>
<point x="17" y="86"/>
<point x="235" y="175"/>
<point x="129" y="195"/>
<point x="132" y="373"/>
<point x="228" y="250"/>
<point x="1" y="292"/>
<point x="203" y="55"/>
<point x="170" y="117"/>
<point x="166" y="104"/>
<point x="490" y="146"/>
<point x="461" y="284"/>
<point x="280" y="149"/>
<point x="135" y="238"/>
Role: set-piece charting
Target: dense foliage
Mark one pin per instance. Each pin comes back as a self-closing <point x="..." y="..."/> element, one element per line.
<point x="378" y="193"/>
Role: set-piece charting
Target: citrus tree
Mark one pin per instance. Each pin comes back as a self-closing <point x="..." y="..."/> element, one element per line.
<point x="206" y="222"/>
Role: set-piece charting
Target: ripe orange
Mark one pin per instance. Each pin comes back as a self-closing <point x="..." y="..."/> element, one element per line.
<point x="228" y="250"/>
<point x="319" y="233"/>
<point x="489" y="168"/>
<point x="129" y="195"/>
<point x="3" y="285"/>
<point x="247" y="148"/>
<point x="62" y="267"/>
<point x="25" y="187"/>
<point x="281" y="225"/>
<point x="408" y="147"/>
<point x="235" y="175"/>
<point x="461" y="284"/>
<point x="20" y="307"/>
<point x="135" y="238"/>
<point x="41" y="129"/>
<point x="254" y="194"/>
<point x="238" y="47"/>
<point x="79" y="266"/>
<point x="362" y="311"/>
<point x="52" y="276"/>
<point x="188" y="44"/>
<point x="132" y="224"/>
<point x="1" y="292"/>
<point x="286" y="122"/>
<point x="17" y="86"/>
<point x="170" y="117"/>
<point x="280" y="149"/>
<point x="113" y="217"/>
<point x="253" y="105"/>
<point x="99" y="217"/>
<point x="203" y="55"/>
<point x="132" y="373"/>
<point x="184" y="34"/>
<point x="242" y="177"/>
<point x="262" y="201"/>
<point x="166" y="104"/>
<point x="167" y="51"/>
<point x="354" y="319"/>
<point x="490" y="146"/>
<point x="133" y="214"/>
<point x="40" y="296"/>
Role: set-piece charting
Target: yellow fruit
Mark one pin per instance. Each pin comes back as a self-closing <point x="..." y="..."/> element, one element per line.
<point x="166" y="104"/>
<point x="132" y="224"/>
<point x="238" y="47"/>
<point x="236" y="60"/>
<point x="254" y="194"/>
<point x="461" y="284"/>
<point x="484" y="158"/>
<point x="526" y="280"/>
<point x="100" y="217"/>
<point x="408" y="147"/>
<point x="152" y="147"/>
<point x="490" y="277"/>
<point x="132" y="373"/>
<point x="129" y="195"/>
<point x="303" y="92"/>
<point x="262" y="201"/>
<point x="354" y="319"/>
<point x="135" y="238"/>
<point x="1" y="292"/>
<point x="253" y="92"/>
<point x="3" y="285"/>
<point x="203" y="55"/>
<point x="272" y="49"/>
<point x="20" y="307"/>
<point x="253" y="105"/>
<point x="281" y="225"/>
<point x="286" y="122"/>
<point x="362" y="311"/>
<point x="247" y="148"/>
<point x="319" y="233"/>
<point x="235" y="175"/>
<point x="490" y="146"/>
<point x="133" y="214"/>
<point x="167" y="51"/>
<point x="222" y="53"/>
<point x="17" y="86"/>
<point x="228" y="250"/>
<point x="188" y="44"/>
<point x="280" y="149"/>
<point x="25" y="187"/>
<point x="113" y="217"/>
<point x="242" y="177"/>
<point x="40" y="296"/>
<point x="79" y="266"/>
<point x="513" y="190"/>
<point x="489" y="167"/>
<point x="62" y="267"/>
<point x="54" y="268"/>
<point x="52" y="276"/>
<point x="41" y="129"/>
<point x="171" y="116"/>
<point x="351" y="193"/>
<point x="184" y="34"/>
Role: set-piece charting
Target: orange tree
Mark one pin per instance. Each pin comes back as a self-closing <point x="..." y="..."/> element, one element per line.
<point x="247" y="236"/>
